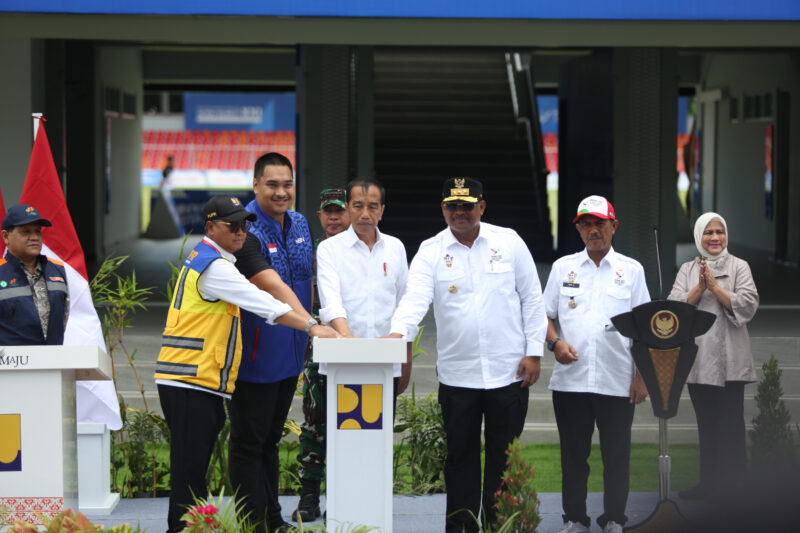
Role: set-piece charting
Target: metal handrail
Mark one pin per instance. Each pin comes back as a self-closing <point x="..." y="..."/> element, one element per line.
<point x="530" y="121"/>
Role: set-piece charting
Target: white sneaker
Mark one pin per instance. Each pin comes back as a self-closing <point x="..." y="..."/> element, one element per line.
<point x="612" y="527"/>
<point x="574" y="527"/>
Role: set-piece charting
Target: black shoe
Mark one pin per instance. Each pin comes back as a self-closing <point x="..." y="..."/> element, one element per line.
<point x="308" y="508"/>
<point x="695" y="493"/>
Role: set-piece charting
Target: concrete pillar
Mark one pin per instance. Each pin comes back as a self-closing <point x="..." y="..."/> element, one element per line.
<point x="645" y="92"/>
<point x="16" y="126"/>
<point x="322" y="123"/>
<point x="335" y="126"/>
<point x="365" y="116"/>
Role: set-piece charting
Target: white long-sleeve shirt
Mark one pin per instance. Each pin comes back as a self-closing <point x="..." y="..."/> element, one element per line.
<point x="361" y="285"/>
<point x="487" y="302"/>
<point x="221" y="281"/>
<point x="584" y="297"/>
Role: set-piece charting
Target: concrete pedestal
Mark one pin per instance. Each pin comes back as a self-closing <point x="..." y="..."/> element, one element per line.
<point x="359" y="429"/>
<point x="94" y="469"/>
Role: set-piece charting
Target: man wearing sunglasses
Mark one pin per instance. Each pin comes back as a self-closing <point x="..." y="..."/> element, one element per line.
<point x="201" y="348"/>
<point x="490" y="325"/>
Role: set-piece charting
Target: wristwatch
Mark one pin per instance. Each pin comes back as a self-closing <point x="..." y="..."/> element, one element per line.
<point x="551" y="345"/>
<point x="311" y="323"/>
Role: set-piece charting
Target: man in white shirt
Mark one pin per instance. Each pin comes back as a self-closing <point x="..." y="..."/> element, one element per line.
<point x="201" y="347"/>
<point x="490" y="324"/>
<point x="362" y="273"/>
<point x="594" y="379"/>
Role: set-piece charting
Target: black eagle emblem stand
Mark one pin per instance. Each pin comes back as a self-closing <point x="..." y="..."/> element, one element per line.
<point x="663" y="333"/>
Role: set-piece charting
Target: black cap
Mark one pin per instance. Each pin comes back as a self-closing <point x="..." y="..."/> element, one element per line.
<point x="462" y="190"/>
<point x="22" y="214"/>
<point x="227" y="208"/>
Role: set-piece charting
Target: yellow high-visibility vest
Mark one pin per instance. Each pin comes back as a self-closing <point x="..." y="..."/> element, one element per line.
<point x="202" y="341"/>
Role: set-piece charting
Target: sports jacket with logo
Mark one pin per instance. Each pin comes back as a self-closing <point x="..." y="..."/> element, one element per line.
<point x="274" y="353"/>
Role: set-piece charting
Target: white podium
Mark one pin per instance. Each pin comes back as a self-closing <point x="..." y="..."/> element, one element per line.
<point x="359" y="429"/>
<point x="38" y="450"/>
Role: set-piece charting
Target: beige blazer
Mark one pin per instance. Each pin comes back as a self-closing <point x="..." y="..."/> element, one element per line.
<point x="724" y="352"/>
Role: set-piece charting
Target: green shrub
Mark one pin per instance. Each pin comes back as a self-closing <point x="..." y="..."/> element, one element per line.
<point x="146" y="431"/>
<point x="422" y="453"/>
<point x="517" y="502"/>
<point x="771" y="436"/>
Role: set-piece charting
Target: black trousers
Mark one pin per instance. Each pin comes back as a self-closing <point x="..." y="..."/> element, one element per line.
<point x="258" y="412"/>
<point x="720" y="428"/>
<point x="503" y="412"/>
<point x="576" y="415"/>
<point x="194" y="419"/>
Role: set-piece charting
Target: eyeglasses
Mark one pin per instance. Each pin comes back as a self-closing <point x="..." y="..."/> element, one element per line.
<point x="242" y="225"/>
<point x="454" y="206"/>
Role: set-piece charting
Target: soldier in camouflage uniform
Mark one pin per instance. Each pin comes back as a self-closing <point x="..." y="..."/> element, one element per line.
<point x="334" y="219"/>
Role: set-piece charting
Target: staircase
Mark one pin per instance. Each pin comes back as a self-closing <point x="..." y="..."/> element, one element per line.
<point x="443" y="113"/>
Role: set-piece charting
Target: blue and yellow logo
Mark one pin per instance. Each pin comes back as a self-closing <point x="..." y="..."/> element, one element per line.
<point x="10" y="443"/>
<point x="359" y="407"/>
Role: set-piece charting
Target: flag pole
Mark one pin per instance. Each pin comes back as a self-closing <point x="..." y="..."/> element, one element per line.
<point x="36" y="118"/>
<point x="44" y="190"/>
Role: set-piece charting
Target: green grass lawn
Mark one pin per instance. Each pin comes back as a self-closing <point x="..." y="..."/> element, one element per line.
<point x="546" y="461"/>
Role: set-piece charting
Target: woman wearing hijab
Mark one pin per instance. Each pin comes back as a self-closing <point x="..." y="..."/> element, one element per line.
<point x="722" y="284"/>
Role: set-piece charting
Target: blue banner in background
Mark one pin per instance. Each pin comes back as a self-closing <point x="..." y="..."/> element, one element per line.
<point x="683" y="114"/>
<point x="548" y="113"/>
<point x="513" y="9"/>
<point x="239" y="111"/>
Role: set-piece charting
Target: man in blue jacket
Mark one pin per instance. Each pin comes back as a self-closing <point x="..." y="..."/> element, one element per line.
<point x="272" y="356"/>
<point x="34" y="299"/>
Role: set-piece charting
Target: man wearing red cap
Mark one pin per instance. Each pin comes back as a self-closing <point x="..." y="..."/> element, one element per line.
<point x="594" y="380"/>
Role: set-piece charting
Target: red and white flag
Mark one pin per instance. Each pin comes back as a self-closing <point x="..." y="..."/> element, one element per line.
<point x="96" y="400"/>
<point x="2" y="216"/>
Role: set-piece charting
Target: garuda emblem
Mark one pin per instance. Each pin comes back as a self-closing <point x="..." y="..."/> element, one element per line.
<point x="664" y="324"/>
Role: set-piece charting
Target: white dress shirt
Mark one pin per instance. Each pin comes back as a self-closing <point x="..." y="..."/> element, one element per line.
<point x="584" y="297"/>
<point x="221" y="281"/>
<point x="487" y="301"/>
<point x="361" y="285"/>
